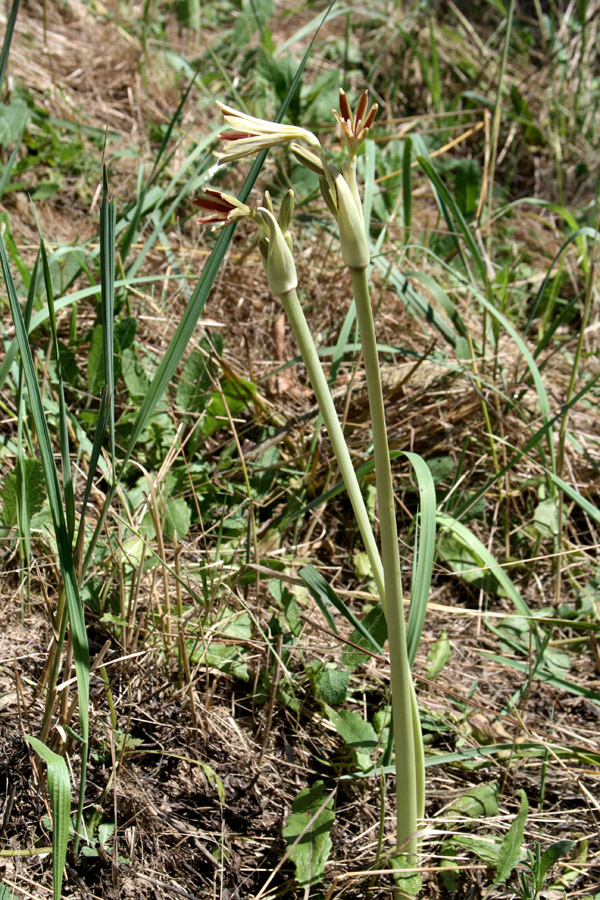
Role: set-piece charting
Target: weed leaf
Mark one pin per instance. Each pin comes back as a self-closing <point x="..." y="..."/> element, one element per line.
<point x="511" y="849"/>
<point x="307" y="832"/>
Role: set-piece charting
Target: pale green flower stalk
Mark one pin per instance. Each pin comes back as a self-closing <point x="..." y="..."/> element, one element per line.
<point x="341" y="194"/>
<point x="275" y="244"/>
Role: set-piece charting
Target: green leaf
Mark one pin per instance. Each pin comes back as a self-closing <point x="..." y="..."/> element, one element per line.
<point x="196" y="381"/>
<point x="477" y="803"/>
<point x="438" y="656"/>
<point x="375" y="624"/>
<point x="307" y="832"/>
<point x="352" y="728"/>
<point x="441" y="467"/>
<point x="485" y="848"/>
<point x="59" y="789"/>
<point x="12" y="118"/>
<point x="467" y="186"/>
<point x="333" y="686"/>
<point x="550" y="856"/>
<point x="178" y="517"/>
<point x="95" y="367"/>
<point x="511" y="849"/>
<point x="33" y="475"/>
<point x="134" y="374"/>
<point x="546" y="520"/>
<point x="410" y="883"/>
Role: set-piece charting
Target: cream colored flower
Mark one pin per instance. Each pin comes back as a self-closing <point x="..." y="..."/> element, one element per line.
<point x="251" y="135"/>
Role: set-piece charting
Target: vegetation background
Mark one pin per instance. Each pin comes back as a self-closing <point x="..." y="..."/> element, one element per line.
<point x="238" y="715"/>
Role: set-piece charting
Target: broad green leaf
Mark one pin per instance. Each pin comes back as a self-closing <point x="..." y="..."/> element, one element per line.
<point x="195" y="382"/>
<point x="352" y="728"/>
<point x="332" y="687"/>
<point x="33" y="472"/>
<point x="552" y="855"/>
<point x="477" y="803"/>
<point x="135" y="375"/>
<point x="178" y="517"/>
<point x="486" y="848"/>
<point x="59" y="789"/>
<point x="546" y="519"/>
<point x="410" y="883"/>
<point x="13" y="116"/>
<point x="511" y="849"/>
<point x="307" y="833"/>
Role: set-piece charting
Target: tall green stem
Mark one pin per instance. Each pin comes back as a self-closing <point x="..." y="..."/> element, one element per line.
<point x="410" y="770"/>
<point x="297" y="320"/>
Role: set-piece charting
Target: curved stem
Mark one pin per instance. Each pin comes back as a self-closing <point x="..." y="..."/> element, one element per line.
<point x="410" y="771"/>
<point x="297" y="320"/>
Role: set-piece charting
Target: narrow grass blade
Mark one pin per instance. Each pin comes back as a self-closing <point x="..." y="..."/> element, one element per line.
<point x="59" y="789"/>
<point x="544" y="675"/>
<point x="487" y="561"/>
<point x="65" y="456"/>
<point x="324" y="594"/>
<point x="8" y="34"/>
<point x="544" y="403"/>
<point x="107" y="303"/>
<point x="424" y="554"/>
<point x="23" y="505"/>
<point x="449" y="205"/>
<point x="75" y="609"/>
<point x="407" y="187"/>
<point x="529" y="445"/>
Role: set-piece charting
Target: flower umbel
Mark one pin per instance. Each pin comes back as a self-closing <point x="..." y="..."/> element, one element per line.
<point x="221" y="208"/>
<point x="355" y="126"/>
<point x="251" y="135"/>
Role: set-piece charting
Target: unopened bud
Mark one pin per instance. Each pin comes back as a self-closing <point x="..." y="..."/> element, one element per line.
<point x="355" y="249"/>
<point x="279" y="265"/>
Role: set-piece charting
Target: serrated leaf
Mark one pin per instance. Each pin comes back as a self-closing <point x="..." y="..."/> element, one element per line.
<point x="59" y="790"/>
<point x="332" y="687"/>
<point x="353" y="729"/>
<point x="310" y="825"/>
<point x="438" y="656"/>
<point x="511" y="849"/>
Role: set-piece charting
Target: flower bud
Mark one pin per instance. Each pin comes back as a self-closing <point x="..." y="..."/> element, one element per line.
<point x="355" y="248"/>
<point x="279" y="265"/>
